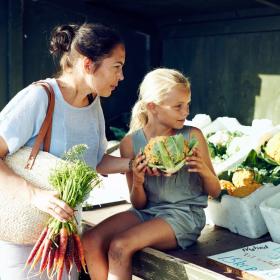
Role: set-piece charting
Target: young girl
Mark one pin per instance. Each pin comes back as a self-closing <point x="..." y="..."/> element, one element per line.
<point x="167" y="210"/>
<point x="91" y="59"/>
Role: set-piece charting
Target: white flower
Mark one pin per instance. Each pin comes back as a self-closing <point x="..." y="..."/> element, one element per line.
<point x="221" y="137"/>
<point x="237" y="144"/>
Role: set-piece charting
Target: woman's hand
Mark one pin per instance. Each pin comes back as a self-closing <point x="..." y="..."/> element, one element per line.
<point x="196" y="164"/>
<point x="47" y="201"/>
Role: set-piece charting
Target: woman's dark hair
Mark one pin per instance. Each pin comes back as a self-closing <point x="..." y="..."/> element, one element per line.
<point x="95" y="41"/>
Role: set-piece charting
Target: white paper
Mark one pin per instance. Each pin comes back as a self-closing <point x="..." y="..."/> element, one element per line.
<point x="262" y="260"/>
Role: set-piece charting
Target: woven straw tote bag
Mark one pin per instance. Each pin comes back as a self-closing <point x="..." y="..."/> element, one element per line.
<point x="21" y="222"/>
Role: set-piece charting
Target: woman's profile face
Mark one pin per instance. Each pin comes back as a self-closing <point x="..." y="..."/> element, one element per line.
<point x="108" y="74"/>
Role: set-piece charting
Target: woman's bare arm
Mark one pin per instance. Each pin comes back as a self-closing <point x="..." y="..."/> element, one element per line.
<point x="111" y="164"/>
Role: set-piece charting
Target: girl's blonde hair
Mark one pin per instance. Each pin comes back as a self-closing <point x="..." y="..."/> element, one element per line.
<point x="154" y="88"/>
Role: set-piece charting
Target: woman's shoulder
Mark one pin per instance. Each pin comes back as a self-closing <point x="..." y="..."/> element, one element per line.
<point x="22" y="117"/>
<point x="36" y="97"/>
<point x="29" y="97"/>
<point x="33" y="93"/>
<point x="37" y="92"/>
<point x="38" y="88"/>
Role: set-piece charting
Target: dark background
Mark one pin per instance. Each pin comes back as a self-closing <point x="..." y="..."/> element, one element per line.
<point x="228" y="48"/>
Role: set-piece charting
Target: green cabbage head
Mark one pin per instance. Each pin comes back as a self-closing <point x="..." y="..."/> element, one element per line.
<point x="168" y="153"/>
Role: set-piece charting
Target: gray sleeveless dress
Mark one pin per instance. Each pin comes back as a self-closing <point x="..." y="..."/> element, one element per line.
<point x="179" y="199"/>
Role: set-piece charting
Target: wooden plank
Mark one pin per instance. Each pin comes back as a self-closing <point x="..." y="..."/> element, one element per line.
<point x="259" y="261"/>
<point x="221" y="27"/>
<point x="97" y="13"/>
<point x="218" y="16"/>
<point x="269" y="4"/>
<point x="152" y="264"/>
<point x="149" y="263"/>
<point x="183" y="264"/>
<point x="246" y="74"/>
<point x="94" y="217"/>
<point x="215" y="240"/>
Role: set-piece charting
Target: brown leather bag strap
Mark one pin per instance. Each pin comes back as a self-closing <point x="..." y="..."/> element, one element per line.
<point x="44" y="135"/>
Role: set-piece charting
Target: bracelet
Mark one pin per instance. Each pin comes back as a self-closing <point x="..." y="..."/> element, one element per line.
<point x="130" y="164"/>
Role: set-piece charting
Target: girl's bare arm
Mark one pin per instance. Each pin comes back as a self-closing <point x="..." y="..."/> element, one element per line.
<point x="135" y="177"/>
<point x="201" y="163"/>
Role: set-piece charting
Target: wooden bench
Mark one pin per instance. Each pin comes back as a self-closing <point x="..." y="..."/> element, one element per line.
<point x="179" y="264"/>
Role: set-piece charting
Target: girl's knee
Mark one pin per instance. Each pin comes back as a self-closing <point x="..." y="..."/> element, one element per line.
<point x="92" y="241"/>
<point x="120" y="248"/>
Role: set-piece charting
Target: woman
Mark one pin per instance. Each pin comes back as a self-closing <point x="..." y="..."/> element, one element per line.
<point x="91" y="59"/>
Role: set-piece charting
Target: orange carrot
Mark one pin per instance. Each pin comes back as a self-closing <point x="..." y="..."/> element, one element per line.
<point x="80" y="248"/>
<point x="60" y="271"/>
<point x="37" y="245"/>
<point x="37" y="256"/>
<point x="55" y="259"/>
<point x="50" y="260"/>
<point x="67" y="264"/>
<point x="77" y="259"/>
<point x="70" y="250"/>
<point x="63" y="236"/>
<point x="45" y="254"/>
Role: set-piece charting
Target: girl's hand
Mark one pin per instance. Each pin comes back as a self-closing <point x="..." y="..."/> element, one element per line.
<point x="139" y="167"/>
<point x="153" y="171"/>
<point x="47" y="201"/>
<point x="196" y="164"/>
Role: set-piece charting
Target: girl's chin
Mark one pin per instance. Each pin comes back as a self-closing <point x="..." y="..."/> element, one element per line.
<point x="106" y="94"/>
<point x="181" y="122"/>
<point x="179" y="125"/>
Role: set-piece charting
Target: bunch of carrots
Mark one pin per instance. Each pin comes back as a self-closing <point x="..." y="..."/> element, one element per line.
<point x="59" y="244"/>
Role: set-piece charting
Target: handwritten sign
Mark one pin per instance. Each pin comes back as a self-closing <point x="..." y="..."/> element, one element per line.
<point x="260" y="260"/>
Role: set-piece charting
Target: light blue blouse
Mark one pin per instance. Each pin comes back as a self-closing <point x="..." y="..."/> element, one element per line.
<point x="21" y="120"/>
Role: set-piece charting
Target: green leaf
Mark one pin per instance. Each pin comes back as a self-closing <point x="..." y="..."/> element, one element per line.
<point x="158" y="166"/>
<point x="165" y="159"/>
<point x="168" y="153"/>
<point x="174" y="146"/>
<point x="118" y="132"/>
<point x="226" y="175"/>
<point x="266" y="157"/>
<point x="192" y="144"/>
<point x="221" y="150"/>
<point x="176" y="168"/>
<point x="212" y="150"/>
<point x="251" y="159"/>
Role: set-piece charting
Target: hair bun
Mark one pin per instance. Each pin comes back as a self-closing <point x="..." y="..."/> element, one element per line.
<point x="61" y="39"/>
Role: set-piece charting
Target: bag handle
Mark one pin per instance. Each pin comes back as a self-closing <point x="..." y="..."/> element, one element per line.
<point x="44" y="135"/>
